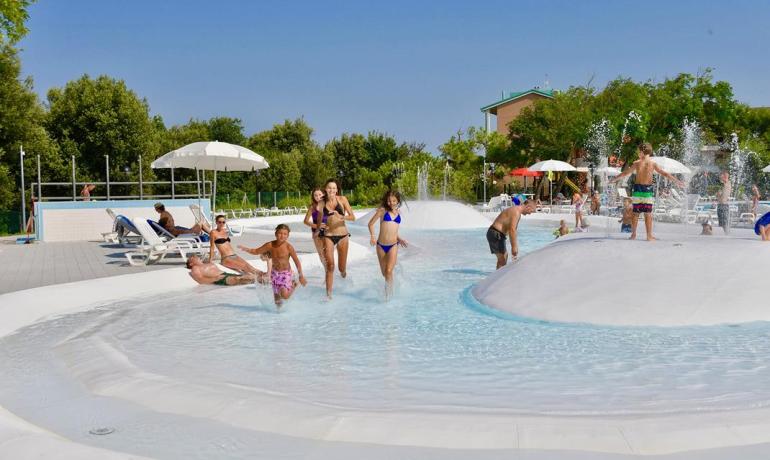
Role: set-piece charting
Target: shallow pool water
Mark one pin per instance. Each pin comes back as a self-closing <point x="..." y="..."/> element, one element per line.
<point x="430" y="348"/>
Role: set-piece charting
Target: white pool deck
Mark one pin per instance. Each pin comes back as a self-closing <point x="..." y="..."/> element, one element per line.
<point x="744" y="434"/>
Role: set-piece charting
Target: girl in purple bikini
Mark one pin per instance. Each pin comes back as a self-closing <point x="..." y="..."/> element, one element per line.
<point x="314" y="218"/>
<point x="388" y="240"/>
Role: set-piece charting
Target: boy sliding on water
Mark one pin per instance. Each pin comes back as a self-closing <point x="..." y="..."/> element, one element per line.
<point x="281" y="276"/>
<point x="642" y="194"/>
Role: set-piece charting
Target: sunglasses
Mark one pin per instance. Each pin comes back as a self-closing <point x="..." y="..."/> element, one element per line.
<point x="220" y="222"/>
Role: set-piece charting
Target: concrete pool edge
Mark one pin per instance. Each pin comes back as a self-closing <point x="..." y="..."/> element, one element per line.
<point x="106" y="372"/>
<point x="19" y="309"/>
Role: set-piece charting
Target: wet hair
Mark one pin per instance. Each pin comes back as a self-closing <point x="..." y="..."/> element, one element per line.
<point x="313" y="202"/>
<point x="336" y="182"/>
<point x="189" y="261"/>
<point x="282" y="227"/>
<point x="388" y="194"/>
<point x="646" y="147"/>
<point x="220" y="216"/>
<point x="160" y="207"/>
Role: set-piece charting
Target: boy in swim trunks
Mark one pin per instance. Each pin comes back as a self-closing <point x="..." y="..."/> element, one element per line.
<point x="642" y="194"/>
<point x="281" y="275"/>
<point x="507" y="222"/>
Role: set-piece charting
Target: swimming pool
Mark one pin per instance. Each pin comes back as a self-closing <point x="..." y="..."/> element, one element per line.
<point x="431" y="349"/>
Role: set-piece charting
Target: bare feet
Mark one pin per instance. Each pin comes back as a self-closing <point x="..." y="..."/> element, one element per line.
<point x="344" y="274"/>
<point x="632" y="237"/>
<point x="651" y="238"/>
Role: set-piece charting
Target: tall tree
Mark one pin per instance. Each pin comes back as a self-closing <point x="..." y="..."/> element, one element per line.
<point x="13" y="14"/>
<point x="22" y="123"/>
<point x="91" y="118"/>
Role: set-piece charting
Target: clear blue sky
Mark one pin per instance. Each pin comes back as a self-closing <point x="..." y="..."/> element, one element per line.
<point x="419" y="70"/>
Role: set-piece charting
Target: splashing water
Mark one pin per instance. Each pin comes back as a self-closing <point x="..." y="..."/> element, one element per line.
<point x="422" y="182"/>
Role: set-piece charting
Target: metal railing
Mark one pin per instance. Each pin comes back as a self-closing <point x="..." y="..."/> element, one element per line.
<point x="37" y="190"/>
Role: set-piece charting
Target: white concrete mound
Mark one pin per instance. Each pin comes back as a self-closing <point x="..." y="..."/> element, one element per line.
<point x="674" y="281"/>
<point x="435" y="215"/>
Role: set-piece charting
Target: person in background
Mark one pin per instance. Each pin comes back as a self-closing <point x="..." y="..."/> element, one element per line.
<point x="596" y="203"/>
<point x="723" y="202"/>
<point x="707" y="228"/>
<point x="562" y="230"/>
<point x="578" y="200"/>
<point x="85" y="192"/>
<point x="754" y="199"/>
<point x="166" y="220"/>
<point x="628" y="216"/>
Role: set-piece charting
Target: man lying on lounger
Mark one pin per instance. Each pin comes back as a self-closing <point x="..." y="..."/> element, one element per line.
<point x="166" y="220"/>
<point x="209" y="273"/>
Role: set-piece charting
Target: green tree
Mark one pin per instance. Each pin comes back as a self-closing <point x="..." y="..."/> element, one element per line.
<point x="296" y="161"/>
<point x="553" y="128"/>
<point x="22" y="123"/>
<point x="90" y="118"/>
<point x="13" y="14"/>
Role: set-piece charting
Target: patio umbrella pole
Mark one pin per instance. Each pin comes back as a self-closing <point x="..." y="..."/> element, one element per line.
<point x="214" y="205"/>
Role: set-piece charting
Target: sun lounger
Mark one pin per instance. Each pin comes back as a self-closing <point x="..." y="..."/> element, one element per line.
<point x="155" y="249"/>
<point x="232" y="229"/>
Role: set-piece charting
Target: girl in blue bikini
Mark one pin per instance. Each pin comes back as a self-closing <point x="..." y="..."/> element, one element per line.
<point x="388" y="240"/>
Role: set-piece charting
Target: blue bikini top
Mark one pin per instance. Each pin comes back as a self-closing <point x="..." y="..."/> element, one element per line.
<point x="387" y="218"/>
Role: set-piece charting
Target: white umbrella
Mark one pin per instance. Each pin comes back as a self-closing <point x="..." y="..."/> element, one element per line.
<point x="609" y="170"/>
<point x="671" y="166"/>
<point x="766" y="169"/>
<point x="705" y="168"/>
<point x="551" y="165"/>
<point x="212" y="156"/>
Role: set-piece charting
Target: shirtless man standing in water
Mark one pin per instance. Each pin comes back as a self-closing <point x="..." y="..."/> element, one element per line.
<point x="642" y="194"/>
<point x="506" y="224"/>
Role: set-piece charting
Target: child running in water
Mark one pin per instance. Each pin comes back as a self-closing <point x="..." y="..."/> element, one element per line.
<point x="388" y="240"/>
<point x="578" y="200"/>
<point x="281" y="275"/>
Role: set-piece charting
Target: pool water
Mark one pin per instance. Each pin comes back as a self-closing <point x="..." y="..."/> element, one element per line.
<point x="430" y="348"/>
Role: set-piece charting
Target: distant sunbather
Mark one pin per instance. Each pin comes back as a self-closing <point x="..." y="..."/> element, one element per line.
<point x="166" y="221"/>
<point x="209" y="273"/>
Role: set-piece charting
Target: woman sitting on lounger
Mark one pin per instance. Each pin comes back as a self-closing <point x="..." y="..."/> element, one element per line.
<point x="220" y="240"/>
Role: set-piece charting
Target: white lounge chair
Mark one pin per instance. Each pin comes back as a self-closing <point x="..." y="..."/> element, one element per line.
<point x="155" y="249"/>
<point x="232" y="229"/>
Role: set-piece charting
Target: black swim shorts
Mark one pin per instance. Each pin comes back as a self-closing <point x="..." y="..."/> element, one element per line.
<point x="723" y="214"/>
<point x="496" y="241"/>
